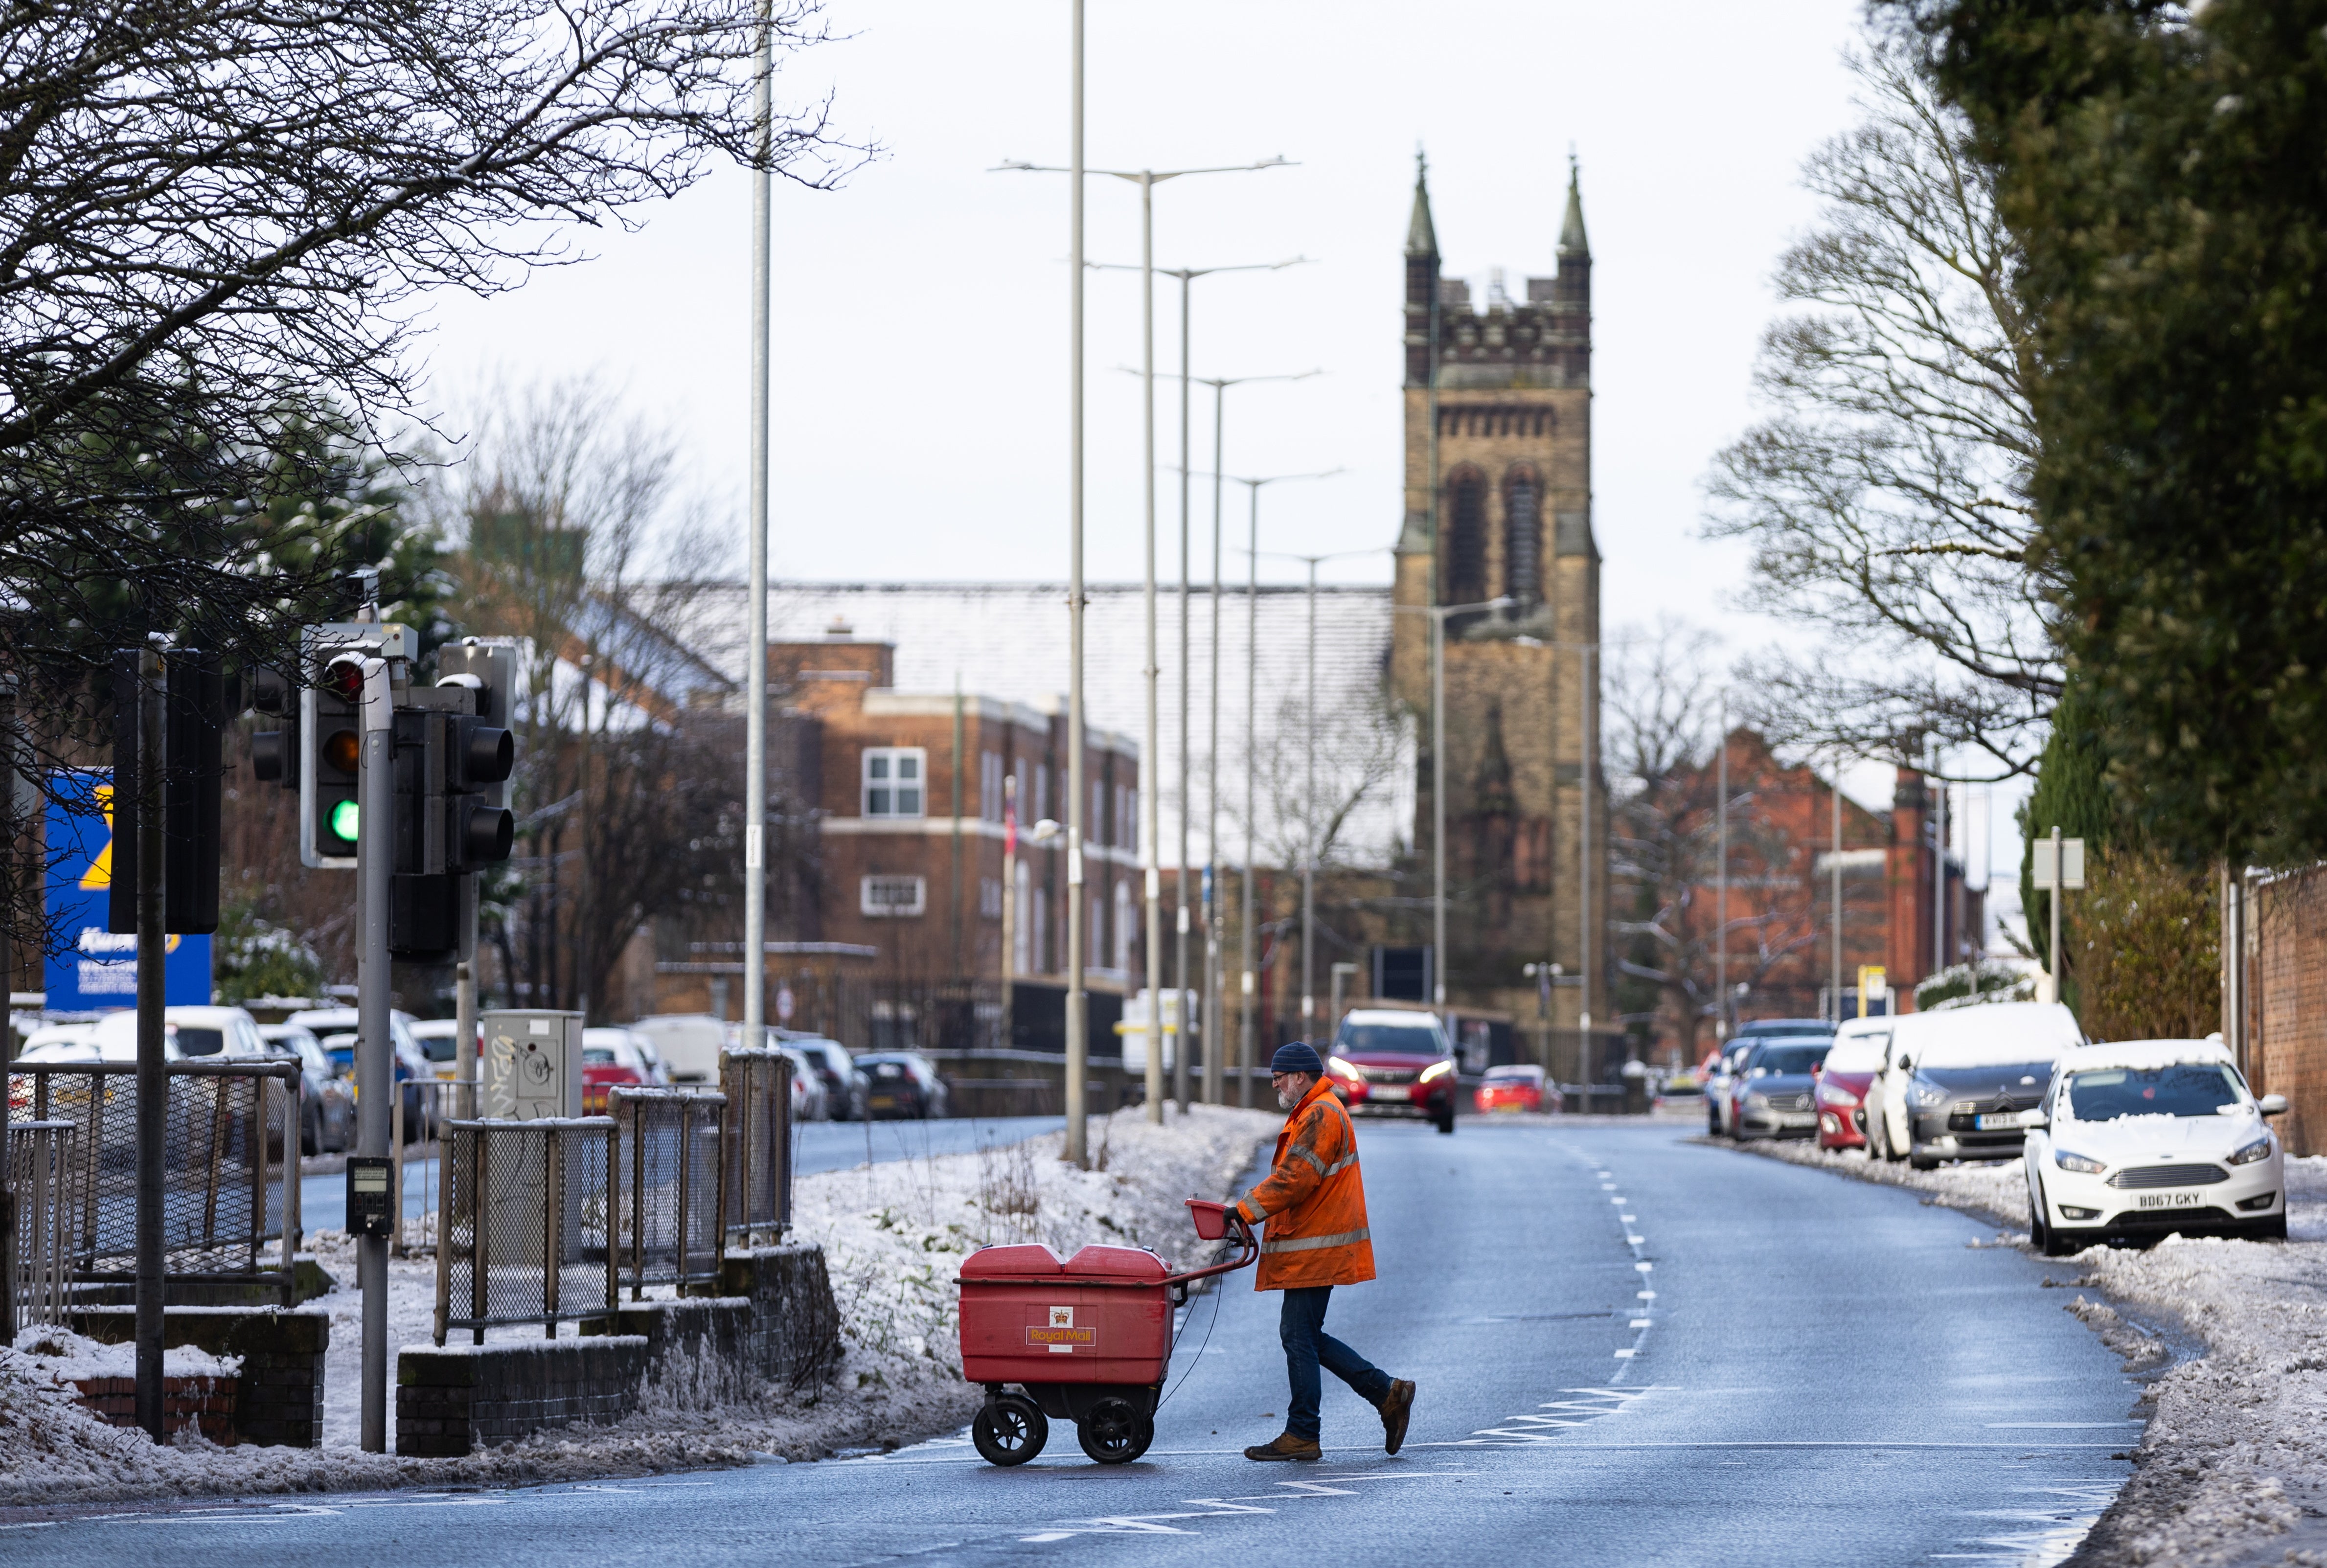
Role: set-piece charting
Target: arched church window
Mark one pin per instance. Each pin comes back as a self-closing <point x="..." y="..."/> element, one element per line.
<point x="1466" y="536"/>
<point x="1523" y="541"/>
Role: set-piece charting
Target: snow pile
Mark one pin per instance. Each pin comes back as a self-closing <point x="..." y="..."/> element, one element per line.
<point x="69" y="1357"/>
<point x="894" y="1235"/>
<point x="2232" y="1467"/>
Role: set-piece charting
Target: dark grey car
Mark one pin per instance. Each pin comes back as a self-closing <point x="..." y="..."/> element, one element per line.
<point x="1971" y="1112"/>
<point x="1777" y="1088"/>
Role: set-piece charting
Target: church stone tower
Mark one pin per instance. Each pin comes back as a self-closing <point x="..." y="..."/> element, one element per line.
<point x="1498" y="506"/>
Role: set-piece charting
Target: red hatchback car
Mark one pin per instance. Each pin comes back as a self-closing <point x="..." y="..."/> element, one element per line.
<point x="1520" y="1087"/>
<point x="1388" y="1062"/>
<point x="1850" y="1069"/>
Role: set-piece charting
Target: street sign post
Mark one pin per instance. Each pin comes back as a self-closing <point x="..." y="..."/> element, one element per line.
<point x="2058" y="867"/>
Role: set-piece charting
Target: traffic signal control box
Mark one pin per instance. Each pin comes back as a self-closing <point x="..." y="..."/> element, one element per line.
<point x="532" y="1064"/>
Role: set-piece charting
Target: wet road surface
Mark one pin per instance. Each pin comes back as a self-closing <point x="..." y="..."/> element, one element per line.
<point x="1630" y="1349"/>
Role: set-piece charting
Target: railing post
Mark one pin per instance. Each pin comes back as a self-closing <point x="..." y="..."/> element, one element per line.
<point x="259" y="1141"/>
<point x="480" y="1222"/>
<point x="614" y="1214"/>
<point x="443" y="1237"/>
<point x="685" y="1171"/>
<point x="295" y="1220"/>
<point x="396" y="1167"/>
<point x="637" y="1206"/>
<point x="550" y="1253"/>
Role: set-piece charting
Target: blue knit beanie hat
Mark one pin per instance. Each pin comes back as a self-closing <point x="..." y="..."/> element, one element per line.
<point x="1298" y="1056"/>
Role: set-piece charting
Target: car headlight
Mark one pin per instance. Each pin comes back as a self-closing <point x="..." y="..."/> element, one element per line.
<point x="1829" y="1094"/>
<point x="1341" y="1068"/>
<point x="1927" y="1096"/>
<point x="1436" y="1069"/>
<point x="2077" y="1162"/>
<point x="1758" y="1100"/>
<point x="2257" y="1150"/>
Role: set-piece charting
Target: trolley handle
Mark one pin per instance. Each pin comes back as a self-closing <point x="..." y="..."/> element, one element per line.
<point x="1250" y="1249"/>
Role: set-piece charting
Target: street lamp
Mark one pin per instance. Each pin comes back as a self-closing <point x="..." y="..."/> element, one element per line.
<point x="1309" y="795"/>
<point x="1438" y="614"/>
<point x="1146" y="180"/>
<point x="1215" y="976"/>
<point x="1187" y="275"/>
<point x="1251" y="749"/>
<point x="756" y="675"/>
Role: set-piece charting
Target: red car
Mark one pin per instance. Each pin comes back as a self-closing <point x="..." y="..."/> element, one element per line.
<point x="603" y="1068"/>
<point x="1388" y="1062"/>
<point x="1516" y="1088"/>
<point x="1850" y="1069"/>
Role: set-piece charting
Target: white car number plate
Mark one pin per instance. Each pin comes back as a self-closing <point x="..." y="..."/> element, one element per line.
<point x="1998" y="1121"/>
<point x="2170" y="1200"/>
<point x="1389" y="1092"/>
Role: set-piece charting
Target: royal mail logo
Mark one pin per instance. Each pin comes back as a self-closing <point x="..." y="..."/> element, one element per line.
<point x="1062" y="1338"/>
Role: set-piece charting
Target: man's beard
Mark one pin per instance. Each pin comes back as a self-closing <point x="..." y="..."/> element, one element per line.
<point x="1286" y="1099"/>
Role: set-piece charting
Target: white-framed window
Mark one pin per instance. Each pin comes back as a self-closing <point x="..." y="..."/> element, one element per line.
<point x="896" y="780"/>
<point x="1039" y="963"/>
<point x="1041" y="791"/>
<point x="883" y="896"/>
<point x="1021" y="934"/>
<point x="1123" y="925"/>
<point x="989" y="786"/>
<point x="989" y="898"/>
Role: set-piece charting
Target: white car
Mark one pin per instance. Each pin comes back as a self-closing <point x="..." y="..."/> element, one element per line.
<point x="2149" y="1136"/>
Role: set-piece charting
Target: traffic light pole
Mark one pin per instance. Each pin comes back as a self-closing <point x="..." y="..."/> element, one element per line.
<point x="142" y="816"/>
<point x="374" y="1060"/>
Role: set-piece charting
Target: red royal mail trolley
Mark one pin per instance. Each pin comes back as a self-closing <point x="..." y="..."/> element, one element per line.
<point x="1085" y="1338"/>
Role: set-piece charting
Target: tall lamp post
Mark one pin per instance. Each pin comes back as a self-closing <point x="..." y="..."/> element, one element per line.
<point x="1215" y="976"/>
<point x="1187" y="275"/>
<point x="1438" y="614"/>
<point x="1149" y="858"/>
<point x="755" y="677"/>
<point x="1245" y="1041"/>
<point x="1309" y="847"/>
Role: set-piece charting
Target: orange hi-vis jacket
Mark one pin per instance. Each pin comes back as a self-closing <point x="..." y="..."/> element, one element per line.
<point x="1314" y="1201"/>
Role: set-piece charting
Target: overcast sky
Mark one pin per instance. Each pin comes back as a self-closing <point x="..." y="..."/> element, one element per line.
<point x="920" y="310"/>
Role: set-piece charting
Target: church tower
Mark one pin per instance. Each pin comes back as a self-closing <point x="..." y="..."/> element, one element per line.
<point x="1498" y="404"/>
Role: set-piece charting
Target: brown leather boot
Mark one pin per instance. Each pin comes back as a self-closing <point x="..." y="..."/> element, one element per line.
<point x="1284" y="1445"/>
<point x="1396" y="1405"/>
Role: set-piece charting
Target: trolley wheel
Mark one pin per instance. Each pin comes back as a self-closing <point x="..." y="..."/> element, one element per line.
<point x="1115" y="1431"/>
<point x="1009" y="1430"/>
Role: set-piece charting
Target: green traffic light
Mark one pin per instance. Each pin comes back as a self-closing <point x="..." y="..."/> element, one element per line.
<point x="343" y="820"/>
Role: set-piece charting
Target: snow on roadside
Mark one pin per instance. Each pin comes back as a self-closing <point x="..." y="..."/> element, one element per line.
<point x="893" y="1234"/>
<point x="2232" y="1467"/>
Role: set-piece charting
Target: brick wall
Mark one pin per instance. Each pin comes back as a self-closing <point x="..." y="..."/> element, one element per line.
<point x="279" y="1398"/>
<point x="458" y="1399"/>
<point x="795" y="1333"/>
<point x="2286" y="1051"/>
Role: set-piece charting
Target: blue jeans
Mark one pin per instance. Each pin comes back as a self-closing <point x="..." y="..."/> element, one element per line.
<point x="1307" y="1347"/>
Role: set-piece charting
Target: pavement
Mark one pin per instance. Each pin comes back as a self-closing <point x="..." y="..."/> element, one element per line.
<point x="1630" y="1349"/>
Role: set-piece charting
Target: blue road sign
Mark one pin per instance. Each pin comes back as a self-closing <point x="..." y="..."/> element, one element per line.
<point x="99" y="971"/>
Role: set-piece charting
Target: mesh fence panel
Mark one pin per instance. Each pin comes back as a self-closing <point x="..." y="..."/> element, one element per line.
<point x="758" y="1086"/>
<point x="226" y="1129"/>
<point x="522" y="1231"/>
<point x="41" y="1179"/>
<point x="667" y="1142"/>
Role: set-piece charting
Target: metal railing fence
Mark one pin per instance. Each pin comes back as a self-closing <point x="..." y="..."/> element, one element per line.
<point x="230" y="1165"/>
<point x="523" y="1223"/>
<point x="439" y="1101"/>
<point x="40" y="1174"/>
<point x="757" y="1142"/>
<point x="668" y="1143"/>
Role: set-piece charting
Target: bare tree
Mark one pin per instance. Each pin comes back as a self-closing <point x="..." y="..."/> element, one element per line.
<point x="218" y="218"/>
<point x="1361" y="743"/>
<point x="1886" y="498"/>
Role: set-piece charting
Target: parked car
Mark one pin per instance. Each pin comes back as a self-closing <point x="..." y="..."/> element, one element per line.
<point x="440" y="1042"/>
<point x="611" y="1059"/>
<point x="55" y="1037"/>
<point x="1388" y="1062"/>
<point x="1682" y="1092"/>
<point x="1850" y="1069"/>
<point x="2146" y="1137"/>
<point x="687" y="1044"/>
<point x="1777" y="1087"/>
<point x="1519" y="1088"/>
<point x="335" y="1028"/>
<point x="1720" y="1079"/>
<point x="845" y="1085"/>
<point x="904" y="1083"/>
<point x="1957" y="1083"/>
<point x="811" y="1101"/>
<point x="327" y="1122"/>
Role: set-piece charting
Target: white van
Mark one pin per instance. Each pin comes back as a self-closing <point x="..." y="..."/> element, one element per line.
<point x="687" y="1044"/>
<point x="1963" y="1083"/>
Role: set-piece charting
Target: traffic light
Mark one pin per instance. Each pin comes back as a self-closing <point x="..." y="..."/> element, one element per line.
<point x="452" y="760"/>
<point x="329" y="737"/>
<point x="193" y="721"/>
<point x="480" y="828"/>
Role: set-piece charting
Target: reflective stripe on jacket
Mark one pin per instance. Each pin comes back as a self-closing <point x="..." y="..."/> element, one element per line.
<point x="1314" y="1201"/>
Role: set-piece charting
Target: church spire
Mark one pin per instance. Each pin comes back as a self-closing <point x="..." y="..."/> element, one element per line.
<point x="1421" y="237"/>
<point x="1571" y="232"/>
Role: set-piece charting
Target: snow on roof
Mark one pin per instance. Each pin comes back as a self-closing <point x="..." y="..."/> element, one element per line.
<point x="1009" y="641"/>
